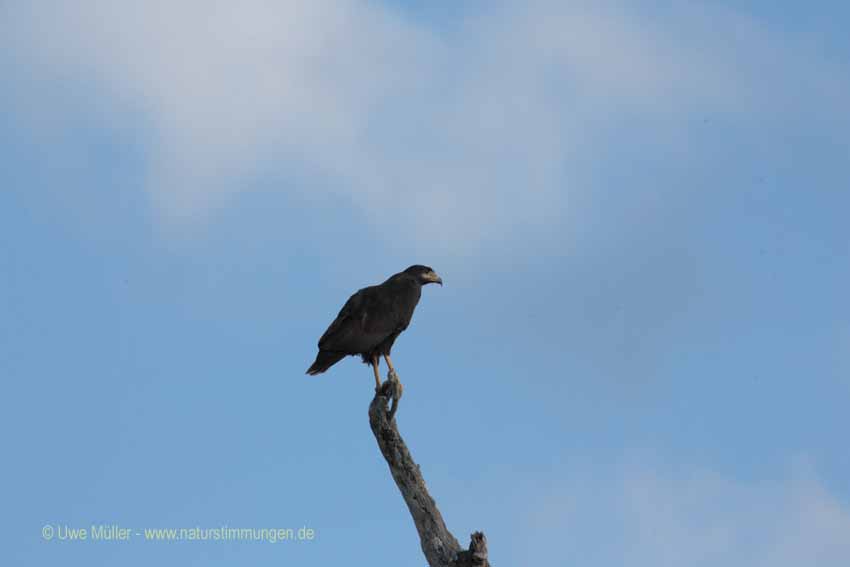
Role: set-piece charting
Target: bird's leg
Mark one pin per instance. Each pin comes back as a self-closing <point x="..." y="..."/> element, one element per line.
<point x="389" y="363"/>
<point x="393" y="374"/>
<point x="375" y="362"/>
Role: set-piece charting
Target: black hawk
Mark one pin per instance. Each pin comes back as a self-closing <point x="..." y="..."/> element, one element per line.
<point x="371" y="320"/>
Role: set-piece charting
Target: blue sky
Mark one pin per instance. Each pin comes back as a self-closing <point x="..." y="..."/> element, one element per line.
<point x="642" y="350"/>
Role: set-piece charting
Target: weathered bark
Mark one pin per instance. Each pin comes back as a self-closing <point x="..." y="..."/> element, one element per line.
<point x="440" y="547"/>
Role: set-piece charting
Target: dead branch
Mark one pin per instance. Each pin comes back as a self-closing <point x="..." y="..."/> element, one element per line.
<point x="440" y="547"/>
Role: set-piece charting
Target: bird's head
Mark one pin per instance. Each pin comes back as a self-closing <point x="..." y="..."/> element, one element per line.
<point x="424" y="274"/>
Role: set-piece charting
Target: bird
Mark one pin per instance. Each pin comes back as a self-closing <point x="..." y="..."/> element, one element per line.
<point x="372" y="319"/>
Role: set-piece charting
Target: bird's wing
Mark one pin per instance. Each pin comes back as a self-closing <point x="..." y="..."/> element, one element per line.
<point x="362" y="324"/>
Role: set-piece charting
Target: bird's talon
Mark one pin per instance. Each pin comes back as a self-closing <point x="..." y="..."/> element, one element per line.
<point x="386" y="390"/>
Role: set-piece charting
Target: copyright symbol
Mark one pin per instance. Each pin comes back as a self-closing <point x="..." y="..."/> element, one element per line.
<point x="47" y="532"/>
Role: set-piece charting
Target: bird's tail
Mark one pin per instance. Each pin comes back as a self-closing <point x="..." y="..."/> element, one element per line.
<point x="324" y="360"/>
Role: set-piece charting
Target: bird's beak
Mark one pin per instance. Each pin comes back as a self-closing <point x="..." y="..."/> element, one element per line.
<point x="434" y="278"/>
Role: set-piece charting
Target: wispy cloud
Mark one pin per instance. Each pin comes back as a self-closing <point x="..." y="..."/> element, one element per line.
<point x="648" y="513"/>
<point x="479" y="131"/>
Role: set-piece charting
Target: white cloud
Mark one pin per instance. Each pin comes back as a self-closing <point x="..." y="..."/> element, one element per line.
<point x="483" y="130"/>
<point x="646" y="513"/>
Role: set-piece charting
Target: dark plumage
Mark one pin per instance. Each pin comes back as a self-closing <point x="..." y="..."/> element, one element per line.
<point x="372" y="319"/>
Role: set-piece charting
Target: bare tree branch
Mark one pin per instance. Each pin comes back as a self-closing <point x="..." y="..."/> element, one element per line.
<point x="440" y="547"/>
